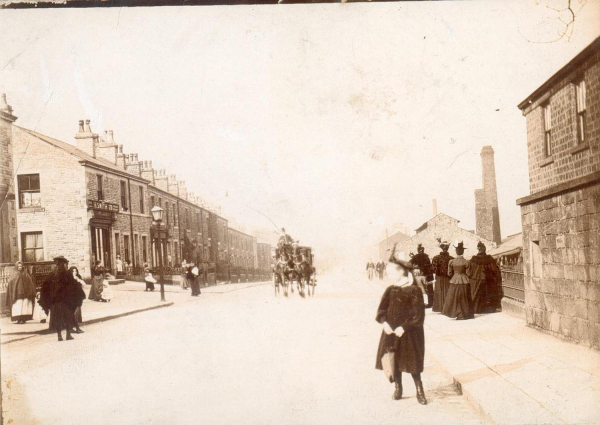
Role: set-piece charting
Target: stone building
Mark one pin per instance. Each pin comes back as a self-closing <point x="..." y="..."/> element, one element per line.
<point x="241" y="254"/>
<point x="74" y="201"/>
<point x="8" y="220"/>
<point x="387" y="244"/>
<point x="444" y="227"/>
<point x="561" y="216"/>
<point x="263" y="253"/>
<point x="487" y="216"/>
<point x="219" y="245"/>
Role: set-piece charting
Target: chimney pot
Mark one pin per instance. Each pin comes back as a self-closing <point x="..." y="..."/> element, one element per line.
<point x="88" y="129"/>
<point x="81" y="126"/>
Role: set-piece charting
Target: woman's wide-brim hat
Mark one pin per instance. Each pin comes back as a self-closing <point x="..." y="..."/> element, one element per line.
<point x="459" y="245"/>
<point x="444" y="243"/>
<point x="60" y="259"/>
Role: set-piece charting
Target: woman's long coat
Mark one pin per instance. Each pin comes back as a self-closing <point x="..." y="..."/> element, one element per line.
<point x="403" y="306"/>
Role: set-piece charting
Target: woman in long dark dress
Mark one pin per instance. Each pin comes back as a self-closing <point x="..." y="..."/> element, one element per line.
<point x="60" y="295"/>
<point x="458" y="303"/>
<point x="192" y="277"/>
<point x="402" y="313"/>
<point x="442" y="280"/>
<point x="79" y="282"/>
<point x="486" y="282"/>
<point x="97" y="282"/>
<point x="20" y="295"/>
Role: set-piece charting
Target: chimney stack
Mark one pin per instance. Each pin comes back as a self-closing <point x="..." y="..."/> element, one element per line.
<point x="148" y="171"/>
<point x="161" y="180"/>
<point x="107" y="148"/>
<point x="173" y="188"/>
<point x="435" y="211"/>
<point x="487" y="215"/>
<point x="85" y="140"/>
<point x="132" y="165"/>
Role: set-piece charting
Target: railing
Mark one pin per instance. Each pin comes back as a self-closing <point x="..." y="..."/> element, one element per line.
<point x="513" y="278"/>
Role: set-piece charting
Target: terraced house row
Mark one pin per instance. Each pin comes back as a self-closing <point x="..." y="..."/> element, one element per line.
<point x="91" y="201"/>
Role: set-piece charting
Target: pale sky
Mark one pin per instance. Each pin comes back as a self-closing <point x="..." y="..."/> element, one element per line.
<point x="336" y="121"/>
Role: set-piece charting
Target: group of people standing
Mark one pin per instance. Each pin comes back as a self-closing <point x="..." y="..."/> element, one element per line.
<point x="462" y="287"/>
<point x="375" y="269"/>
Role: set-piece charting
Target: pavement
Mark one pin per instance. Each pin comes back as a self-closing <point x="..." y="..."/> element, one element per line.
<point x="239" y="355"/>
<point x="130" y="298"/>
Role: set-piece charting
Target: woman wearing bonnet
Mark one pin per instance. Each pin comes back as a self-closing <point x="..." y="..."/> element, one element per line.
<point x="402" y="343"/>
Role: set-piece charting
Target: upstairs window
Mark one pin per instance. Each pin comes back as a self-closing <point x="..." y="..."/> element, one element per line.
<point x="167" y="212"/>
<point x="141" y="199"/>
<point x="124" y="195"/>
<point x="99" y="187"/>
<point x="151" y="202"/>
<point x="580" y="91"/>
<point x="547" y="130"/>
<point x="174" y="216"/>
<point x="29" y="190"/>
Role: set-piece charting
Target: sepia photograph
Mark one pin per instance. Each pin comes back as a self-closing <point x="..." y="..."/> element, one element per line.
<point x="299" y="212"/>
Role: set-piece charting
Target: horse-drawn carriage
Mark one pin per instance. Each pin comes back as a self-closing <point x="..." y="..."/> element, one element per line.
<point x="294" y="264"/>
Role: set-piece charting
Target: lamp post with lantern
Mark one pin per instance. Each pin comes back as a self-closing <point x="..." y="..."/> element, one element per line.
<point x="159" y="232"/>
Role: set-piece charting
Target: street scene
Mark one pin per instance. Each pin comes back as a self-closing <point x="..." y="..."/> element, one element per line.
<point x="365" y="213"/>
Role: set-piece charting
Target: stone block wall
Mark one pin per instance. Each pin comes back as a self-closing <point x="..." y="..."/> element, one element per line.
<point x="9" y="251"/>
<point x="564" y="299"/>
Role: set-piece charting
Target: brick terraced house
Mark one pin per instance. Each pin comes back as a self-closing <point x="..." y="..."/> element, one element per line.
<point x="561" y="216"/>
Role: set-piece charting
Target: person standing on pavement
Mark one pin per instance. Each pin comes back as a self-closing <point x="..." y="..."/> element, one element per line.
<point x="458" y="303"/>
<point x="59" y="296"/>
<point x="119" y="266"/>
<point x="485" y="280"/>
<point x="77" y="316"/>
<point x="442" y="280"/>
<point x="402" y="313"/>
<point x="186" y="282"/>
<point x="148" y="278"/>
<point x="97" y="278"/>
<point x="422" y="262"/>
<point x="20" y="295"/>
<point x="192" y="276"/>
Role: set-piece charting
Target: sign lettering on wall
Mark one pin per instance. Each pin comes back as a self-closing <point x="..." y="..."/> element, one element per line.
<point x="101" y="205"/>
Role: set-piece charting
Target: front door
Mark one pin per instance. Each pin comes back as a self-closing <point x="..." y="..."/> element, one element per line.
<point x="101" y="246"/>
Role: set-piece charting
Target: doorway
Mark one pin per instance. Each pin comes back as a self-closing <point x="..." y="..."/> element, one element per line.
<point x="101" y="246"/>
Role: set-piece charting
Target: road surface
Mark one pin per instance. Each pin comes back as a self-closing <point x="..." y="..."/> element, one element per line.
<point x="242" y="357"/>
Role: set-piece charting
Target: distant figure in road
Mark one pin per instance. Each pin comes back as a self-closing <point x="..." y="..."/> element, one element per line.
<point x="98" y="273"/>
<point x="186" y="281"/>
<point x="59" y="296"/>
<point x="458" y="303"/>
<point x="148" y="278"/>
<point x="79" y="282"/>
<point x="379" y="268"/>
<point x="485" y="281"/>
<point x="119" y="266"/>
<point x="192" y="276"/>
<point x="402" y="313"/>
<point x="422" y="262"/>
<point x="370" y="269"/>
<point x="442" y="280"/>
<point x="20" y="294"/>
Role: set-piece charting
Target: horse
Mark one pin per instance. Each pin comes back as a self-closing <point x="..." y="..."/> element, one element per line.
<point x="280" y="278"/>
<point x="305" y="272"/>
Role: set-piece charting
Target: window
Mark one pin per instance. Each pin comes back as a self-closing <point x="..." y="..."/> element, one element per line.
<point x="141" y="200"/>
<point x="117" y="244"/>
<point x="144" y="249"/>
<point x="160" y="202"/>
<point x="136" y="250"/>
<point x="29" y="190"/>
<point x="124" y="195"/>
<point x="187" y="218"/>
<point x="174" y="216"/>
<point x="151" y="202"/>
<point x="100" y="187"/>
<point x="32" y="244"/>
<point x="547" y="130"/>
<point x="167" y="212"/>
<point x="126" y="247"/>
<point x="176" y="249"/>
<point x="580" y="90"/>
<point x="536" y="259"/>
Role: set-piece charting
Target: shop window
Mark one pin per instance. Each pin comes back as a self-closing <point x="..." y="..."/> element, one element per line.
<point x="32" y="244"/>
<point x="29" y="190"/>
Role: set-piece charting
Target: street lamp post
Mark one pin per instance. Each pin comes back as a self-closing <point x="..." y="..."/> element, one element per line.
<point x="159" y="231"/>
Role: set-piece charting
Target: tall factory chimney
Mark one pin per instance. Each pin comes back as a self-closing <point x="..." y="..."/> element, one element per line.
<point x="487" y="215"/>
<point x="434" y="205"/>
